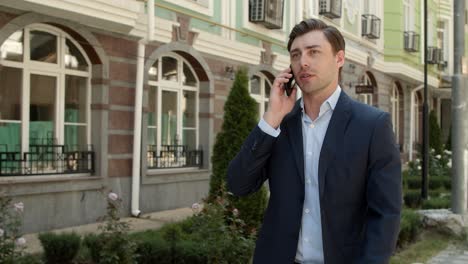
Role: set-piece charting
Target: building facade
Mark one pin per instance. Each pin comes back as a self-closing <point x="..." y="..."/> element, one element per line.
<point x="75" y="75"/>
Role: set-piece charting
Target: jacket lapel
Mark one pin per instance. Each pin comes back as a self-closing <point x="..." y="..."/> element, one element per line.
<point x="294" y="129"/>
<point x="334" y="135"/>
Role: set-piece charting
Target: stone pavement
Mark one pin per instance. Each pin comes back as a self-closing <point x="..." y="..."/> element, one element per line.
<point x="451" y="255"/>
<point x="144" y="222"/>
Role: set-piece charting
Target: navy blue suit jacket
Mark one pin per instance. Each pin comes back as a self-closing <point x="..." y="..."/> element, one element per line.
<point x="359" y="185"/>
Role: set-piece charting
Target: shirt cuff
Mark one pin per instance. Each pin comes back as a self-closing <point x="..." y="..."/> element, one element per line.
<point x="265" y="127"/>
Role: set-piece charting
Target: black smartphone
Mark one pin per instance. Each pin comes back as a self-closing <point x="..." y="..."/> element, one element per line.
<point x="288" y="87"/>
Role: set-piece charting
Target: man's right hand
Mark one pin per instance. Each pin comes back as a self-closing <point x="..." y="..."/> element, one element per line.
<point x="280" y="104"/>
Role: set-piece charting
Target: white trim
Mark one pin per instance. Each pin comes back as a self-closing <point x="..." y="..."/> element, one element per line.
<point x="114" y="15"/>
<point x="162" y="28"/>
<point x="228" y="49"/>
<point x="197" y="7"/>
<point x="412" y="117"/>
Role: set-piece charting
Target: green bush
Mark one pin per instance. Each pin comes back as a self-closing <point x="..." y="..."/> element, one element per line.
<point x="436" y="203"/>
<point x="412" y="198"/>
<point x="435" y="134"/>
<point x="240" y="117"/>
<point x="413" y="182"/>
<point x="60" y="248"/>
<point x="204" y="238"/>
<point x="409" y="227"/>
<point x="113" y="244"/>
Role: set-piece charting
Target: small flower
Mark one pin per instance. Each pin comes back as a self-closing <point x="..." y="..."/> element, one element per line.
<point x="419" y="167"/>
<point x="235" y="212"/>
<point x="20" y="242"/>
<point x="438" y="156"/>
<point x="432" y="150"/>
<point x="448" y="152"/>
<point x="196" y="207"/>
<point x="19" y="207"/>
<point x="113" y="196"/>
<point x="1" y="232"/>
<point x="417" y="160"/>
<point x="449" y="164"/>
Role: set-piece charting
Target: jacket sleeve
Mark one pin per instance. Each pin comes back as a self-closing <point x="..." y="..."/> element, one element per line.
<point x="384" y="194"/>
<point x="247" y="171"/>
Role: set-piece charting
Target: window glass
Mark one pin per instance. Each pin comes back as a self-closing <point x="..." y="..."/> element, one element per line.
<point x="188" y="77"/>
<point x="42" y="110"/>
<point x="10" y="93"/>
<point x="75" y="99"/>
<point x="255" y="85"/>
<point x="12" y="49"/>
<point x="153" y="72"/>
<point x="189" y="108"/>
<point x="73" y="57"/>
<point x="43" y="46"/>
<point x="169" y="69"/>
<point x="169" y="118"/>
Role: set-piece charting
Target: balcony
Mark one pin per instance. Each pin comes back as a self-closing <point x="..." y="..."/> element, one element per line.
<point x="45" y="160"/>
<point x="173" y="156"/>
<point x="370" y="26"/>
<point x="411" y="41"/>
<point x="330" y="8"/>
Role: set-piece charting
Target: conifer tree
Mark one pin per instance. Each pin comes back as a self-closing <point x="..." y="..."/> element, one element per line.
<point x="240" y="117"/>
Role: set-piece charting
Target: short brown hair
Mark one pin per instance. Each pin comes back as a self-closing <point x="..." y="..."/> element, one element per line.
<point x="332" y="34"/>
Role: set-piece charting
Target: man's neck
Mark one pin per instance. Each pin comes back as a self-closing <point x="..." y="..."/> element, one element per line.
<point x="313" y="101"/>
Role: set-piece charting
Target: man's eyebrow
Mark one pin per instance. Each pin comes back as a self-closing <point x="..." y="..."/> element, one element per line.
<point x="307" y="48"/>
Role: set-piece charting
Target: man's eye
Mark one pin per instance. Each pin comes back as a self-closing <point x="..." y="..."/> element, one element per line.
<point x="294" y="56"/>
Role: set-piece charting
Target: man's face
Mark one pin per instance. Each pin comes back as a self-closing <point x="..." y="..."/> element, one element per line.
<point x="314" y="65"/>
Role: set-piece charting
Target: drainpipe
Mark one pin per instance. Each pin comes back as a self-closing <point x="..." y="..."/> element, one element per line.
<point x="135" y="205"/>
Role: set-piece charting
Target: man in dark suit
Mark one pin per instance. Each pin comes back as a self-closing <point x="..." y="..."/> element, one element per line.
<point x="332" y="164"/>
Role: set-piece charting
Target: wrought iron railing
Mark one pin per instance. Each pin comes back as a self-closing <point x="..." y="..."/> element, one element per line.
<point x="173" y="156"/>
<point x="47" y="159"/>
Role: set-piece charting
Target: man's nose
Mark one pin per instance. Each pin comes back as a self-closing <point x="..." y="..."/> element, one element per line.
<point x="304" y="62"/>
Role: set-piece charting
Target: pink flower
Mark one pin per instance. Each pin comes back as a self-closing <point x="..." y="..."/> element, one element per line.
<point x="19" y="207"/>
<point x="20" y="242"/>
<point x="113" y="196"/>
<point x="196" y="207"/>
<point x="235" y="212"/>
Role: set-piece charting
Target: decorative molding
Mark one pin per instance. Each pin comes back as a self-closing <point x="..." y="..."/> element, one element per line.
<point x="113" y="15"/>
<point x="225" y="48"/>
<point x="352" y="10"/>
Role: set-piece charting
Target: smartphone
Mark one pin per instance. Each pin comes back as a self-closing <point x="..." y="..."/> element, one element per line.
<point x="288" y="87"/>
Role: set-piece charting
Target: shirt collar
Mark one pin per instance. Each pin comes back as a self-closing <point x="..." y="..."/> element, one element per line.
<point x="330" y="101"/>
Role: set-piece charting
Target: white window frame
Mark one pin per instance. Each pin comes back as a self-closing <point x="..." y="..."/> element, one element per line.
<point x="57" y="70"/>
<point x="416" y="118"/>
<point x="261" y="98"/>
<point x="395" y="109"/>
<point x="179" y="88"/>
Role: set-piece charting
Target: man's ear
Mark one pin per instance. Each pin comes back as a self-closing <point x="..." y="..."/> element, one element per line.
<point x="340" y="58"/>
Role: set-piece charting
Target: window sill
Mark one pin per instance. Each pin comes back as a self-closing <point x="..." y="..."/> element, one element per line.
<point x="160" y="176"/>
<point x="46" y="184"/>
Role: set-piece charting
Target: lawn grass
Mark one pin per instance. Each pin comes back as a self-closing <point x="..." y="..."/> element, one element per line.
<point x="429" y="244"/>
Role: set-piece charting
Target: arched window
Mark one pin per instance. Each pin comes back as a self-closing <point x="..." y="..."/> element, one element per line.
<point x="173" y="114"/>
<point x="259" y="88"/>
<point x="365" y="98"/>
<point x="44" y="101"/>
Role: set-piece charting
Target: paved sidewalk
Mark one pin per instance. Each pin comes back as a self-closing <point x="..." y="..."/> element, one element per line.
<point x="144" y="222"/>
<point x="451" y="255"/>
